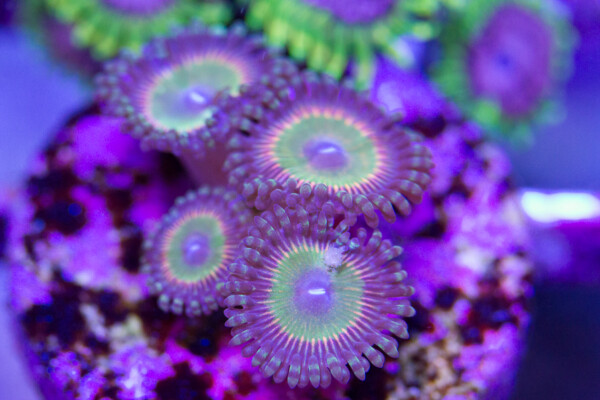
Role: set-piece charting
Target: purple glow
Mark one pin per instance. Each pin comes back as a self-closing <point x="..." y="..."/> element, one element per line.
<point x="324" y="154"/>
<point x="313" y="293"/>
<point x="195" y="99"/>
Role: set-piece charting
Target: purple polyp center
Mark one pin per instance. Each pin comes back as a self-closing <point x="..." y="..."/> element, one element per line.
<point x="138" y="7"/>
<point x="196" y="249"/>
<point x="356" y="12"/>
<point x="325" y="155"/>
<point x="195" y="99"/>
<point x="313" y="292"/>
<point x="510" y="61"/>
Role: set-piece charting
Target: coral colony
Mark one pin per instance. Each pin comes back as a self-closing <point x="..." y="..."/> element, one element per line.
<point x="283" y="235"/>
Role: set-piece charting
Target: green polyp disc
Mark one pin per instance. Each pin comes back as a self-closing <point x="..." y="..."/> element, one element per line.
<point x="310" y="302"/>
<point x="176" y="266"/>
<point x="180" y="99"/>
<point x="292" y="149"/>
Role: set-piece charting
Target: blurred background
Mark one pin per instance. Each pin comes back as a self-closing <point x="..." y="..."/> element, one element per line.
<point x="562" y="360"/>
